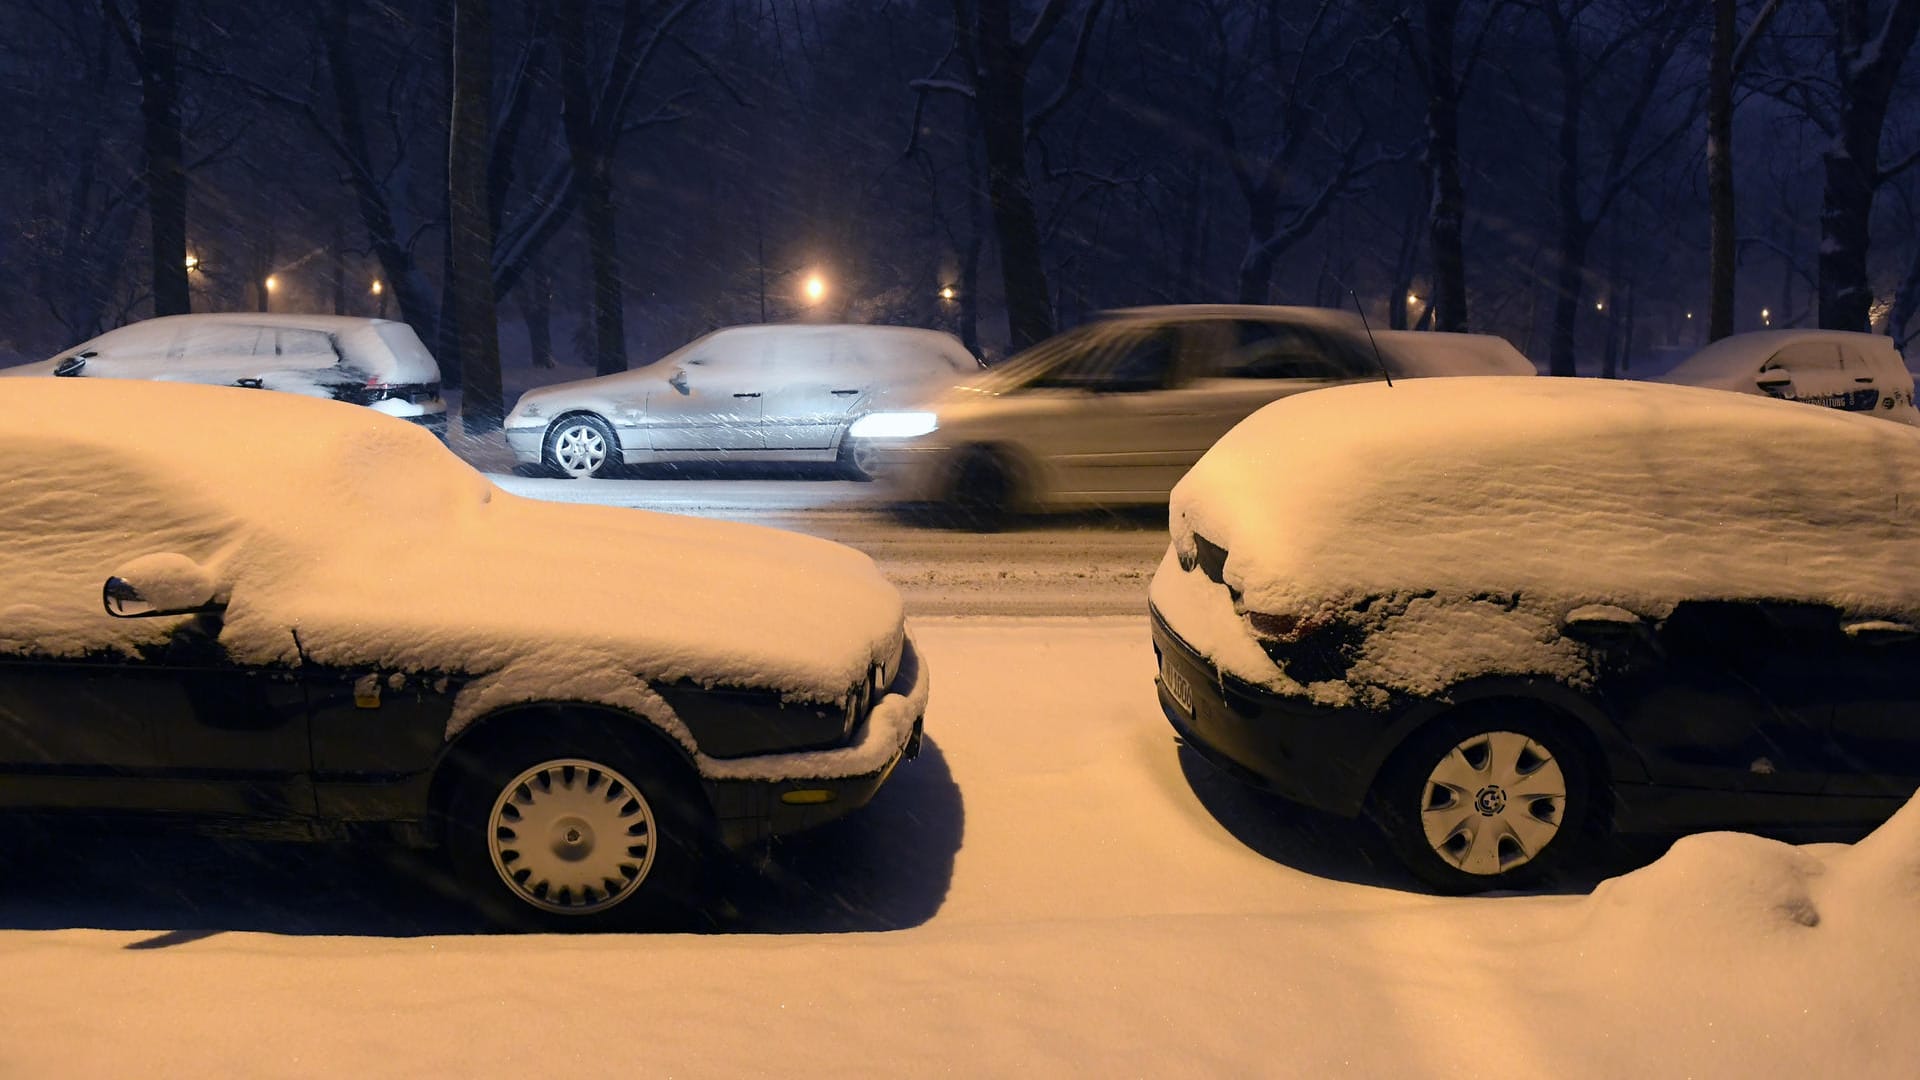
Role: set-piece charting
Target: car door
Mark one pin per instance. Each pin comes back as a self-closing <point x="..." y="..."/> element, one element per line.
<point x="1241" y="365"/>
<point x="1874" y="684"/>
<point x="146" y="713"/>
<point x="1102" y="421"/>
<point x="711" y="401"/>
<point x="813" y="380"/>
<point x="1737" y="698"/>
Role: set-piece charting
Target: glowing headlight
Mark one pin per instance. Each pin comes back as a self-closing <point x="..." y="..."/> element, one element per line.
<point x="893" y="425"/>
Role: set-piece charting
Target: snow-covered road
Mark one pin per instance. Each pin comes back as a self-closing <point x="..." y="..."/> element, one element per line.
<point x="1053" y="888"/>
<point x="1092" y="564"/>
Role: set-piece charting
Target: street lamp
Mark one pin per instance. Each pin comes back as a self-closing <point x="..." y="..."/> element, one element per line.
<point x="272" y="283"/>
<point x="816" y="288"/>
<point x="1599" y="305"/>
<point x="946" y="292"/>
<point x="193" y="263"/>
<point x="1766" y="316"/>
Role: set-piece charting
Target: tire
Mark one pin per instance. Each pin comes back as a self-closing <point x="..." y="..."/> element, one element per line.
<point x="581" y="446"/>
<point x="1489" y="798"/>
<point x="528" y="823"/>
<point x="982" y="492"/>
<point x="853" y="463"/>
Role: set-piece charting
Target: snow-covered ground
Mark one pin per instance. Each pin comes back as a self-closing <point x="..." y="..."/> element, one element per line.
<point x="1053" y="887"/>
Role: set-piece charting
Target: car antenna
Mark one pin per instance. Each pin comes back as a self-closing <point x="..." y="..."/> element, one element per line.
<point x="1377" y="358"/>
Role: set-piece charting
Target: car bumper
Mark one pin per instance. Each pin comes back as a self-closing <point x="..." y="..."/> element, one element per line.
<point x="1316" y="755"/>
<point x="908" y="472"/>
<point x="773" y="795"/>
<point x="525" y="442"/>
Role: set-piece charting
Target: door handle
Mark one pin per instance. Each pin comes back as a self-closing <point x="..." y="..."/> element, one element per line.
<point x="747" y="395"/>
<point x="843" y="393"/>
<point x="1880" y="632"/>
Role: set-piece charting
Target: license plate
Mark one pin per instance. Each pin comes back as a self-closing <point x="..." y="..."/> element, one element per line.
<point x="1177" y="687"/>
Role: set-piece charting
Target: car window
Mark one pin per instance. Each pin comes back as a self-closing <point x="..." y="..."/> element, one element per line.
<point x="310" y="348"/>
<point x="1805" y="356"/>
<point x="225" y="340"/>
<point x="1267" y="350"/>
<point x="1126" y="360"/>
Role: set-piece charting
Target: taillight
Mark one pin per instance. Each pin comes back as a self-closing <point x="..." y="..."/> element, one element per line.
<point x="1286" y="629"/>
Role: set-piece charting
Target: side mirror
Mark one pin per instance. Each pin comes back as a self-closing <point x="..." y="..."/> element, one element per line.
<point x="160" y="584"/>
<point x="71" y="366"/>
<point x="1775" y="382"/>
<point x="678" y="380"/>
<point x="1604" y="626"/>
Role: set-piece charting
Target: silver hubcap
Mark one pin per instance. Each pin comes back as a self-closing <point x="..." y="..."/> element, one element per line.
<point x="571" y="836"/>
<point x="1493" y="802"/>
<point x="864" y="458"/>
<point x="580" y="450"/>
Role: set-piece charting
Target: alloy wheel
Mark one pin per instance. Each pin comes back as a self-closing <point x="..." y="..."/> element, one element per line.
<point x="580" y="450"/>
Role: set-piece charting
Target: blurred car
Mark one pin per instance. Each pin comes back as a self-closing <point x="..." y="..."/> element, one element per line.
<point x="294" y="645"/>
<point x="1115" y="411"/>
<point x="1501" y="616"/>
<point x="1838" y="369"/>
<point x="774" y="392"/>
<point x="373" y="362"/>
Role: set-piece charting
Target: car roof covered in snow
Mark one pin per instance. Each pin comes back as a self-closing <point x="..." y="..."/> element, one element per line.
<point x="1588" y="490"/>
<point x="1409" y="353"/>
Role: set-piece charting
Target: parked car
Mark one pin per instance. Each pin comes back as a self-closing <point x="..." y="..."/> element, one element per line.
<point x="1838" y="369"/>
<point x="292" y="642"/>
<point x="1501" y="616"/>
<point x="1115" y="411"/>
<point x="773" y="392"/>
<point x="373" y="362"/>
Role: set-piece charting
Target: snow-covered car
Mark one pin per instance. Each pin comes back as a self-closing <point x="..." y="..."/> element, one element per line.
<point x="1115" y="411"/>
<point x="1498" y="616"/>
<point x="1838" y="369"/>
<point x="378" y="363"/>
<point x="288" y="640"/>
<point x="774" y="392"/>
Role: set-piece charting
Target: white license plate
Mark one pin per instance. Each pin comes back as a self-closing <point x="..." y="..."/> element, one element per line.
<point x="1177" y="687"/>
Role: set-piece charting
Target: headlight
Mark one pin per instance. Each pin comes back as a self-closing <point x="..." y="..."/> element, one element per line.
<point x="893" y="425"/>
<point x="524" y="412"/>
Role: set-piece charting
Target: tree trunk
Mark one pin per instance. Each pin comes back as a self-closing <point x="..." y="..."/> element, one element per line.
<point x="166" y="175"/>
<point x="1447" y="194"/>
<point x="1869" y="61"/>
<point x="603" y="259"/>
<point x="1568" y="293"/>
<point x="1256" y="266"/>
<point x="536" y="306"/>
<point x="470" y="224"/>
<point x="1000" y="95"/>
<point x="1720" y="275"/>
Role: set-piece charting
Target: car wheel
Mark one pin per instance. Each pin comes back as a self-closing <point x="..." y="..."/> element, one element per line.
<point x="1488" y="799"/>
<point x="581" y="447"/>
<point x="580" y="834"/>
<point x="856" y="458"/>
<point x="982" y="493"/>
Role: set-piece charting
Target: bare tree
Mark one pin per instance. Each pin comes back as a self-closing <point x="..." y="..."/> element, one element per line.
<point x="1730" y="52"/>
<point x="996" y="64"/>
<point x="150" y="41"/>
<point x="470" y="224"/>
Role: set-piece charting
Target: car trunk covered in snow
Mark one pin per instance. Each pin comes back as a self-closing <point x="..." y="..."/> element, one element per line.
<point x="1454" y="524"/>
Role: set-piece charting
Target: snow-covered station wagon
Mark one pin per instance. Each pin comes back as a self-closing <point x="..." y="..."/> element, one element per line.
<point x="1502" y="614"/>
<point x="289" y="641"/>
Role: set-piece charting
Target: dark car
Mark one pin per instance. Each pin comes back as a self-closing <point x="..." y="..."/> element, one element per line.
<point x="290" y="642"/>
<point x="1500" y="617"/>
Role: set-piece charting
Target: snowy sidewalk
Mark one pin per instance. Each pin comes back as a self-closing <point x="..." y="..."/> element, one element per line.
<point x="1070" y="902"/>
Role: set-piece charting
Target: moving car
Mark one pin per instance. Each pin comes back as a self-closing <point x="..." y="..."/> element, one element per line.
<point x="1499" y="616"/>
<point x="773" y="392"/>
<point x="1115" y="411"/>
<point x="286" y="641"/>
<point x="373" y="362"/>
<point x="1838" y="369"/>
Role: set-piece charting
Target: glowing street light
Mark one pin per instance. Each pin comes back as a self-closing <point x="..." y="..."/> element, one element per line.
<point x="271" y="283"/>
<point x="1766" y="316"/>
<point x="815" y="288"/>
<point x="377" y="287"/>
<point x="193" y="263"/>
<point x="946" y="292"/>
<point x="1689" y="314"/>
<point x="1599" y="305"/>
<point x="1412" y="298"/>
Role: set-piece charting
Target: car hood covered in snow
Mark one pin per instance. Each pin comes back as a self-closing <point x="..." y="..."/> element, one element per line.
<point x="1485" y="510"/>
<point x="383" y="550"/>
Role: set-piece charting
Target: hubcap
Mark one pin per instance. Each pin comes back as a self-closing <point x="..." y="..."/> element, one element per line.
<point x="865" y="459"/>
<point x="580" y="450"/>
<point x="571" y="836"/>
<point x="1494" y="802"/>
